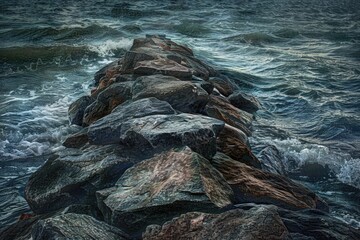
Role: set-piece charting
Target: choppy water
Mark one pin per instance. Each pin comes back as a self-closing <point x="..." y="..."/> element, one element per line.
<point x="301" y="58"/>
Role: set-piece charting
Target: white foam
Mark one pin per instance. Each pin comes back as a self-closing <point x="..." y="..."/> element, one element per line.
<point x="107" y="48"/>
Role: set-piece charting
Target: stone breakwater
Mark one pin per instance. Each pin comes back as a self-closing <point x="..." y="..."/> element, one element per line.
<point x="163" y="154"/>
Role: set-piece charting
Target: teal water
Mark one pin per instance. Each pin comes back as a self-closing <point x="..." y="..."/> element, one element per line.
<point x="301" y="58"/>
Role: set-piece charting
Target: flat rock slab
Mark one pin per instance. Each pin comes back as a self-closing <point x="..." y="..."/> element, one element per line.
<point x="75" y="226"/>
<point x="262" y="222"/>
<point x="163" y="66"/>
<point x="184" y="96"/>
<point x="75" y="175"/>
<point x="162" y="187"/>
<point x="253" y="185"/>
<point x="158" y="131"/>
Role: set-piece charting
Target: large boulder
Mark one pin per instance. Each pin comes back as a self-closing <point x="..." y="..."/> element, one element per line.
<point x="74" y="175"/>
<point x="156" y="190"/>
<point x="159" y="131"/>
<point x="220" y="108"/>
<point x="77" y="109"/>
<point x="253" y="185"/>
<point x="261" y="222"/>
<point x="75" y="226"/>
<point x="184" y="96"/>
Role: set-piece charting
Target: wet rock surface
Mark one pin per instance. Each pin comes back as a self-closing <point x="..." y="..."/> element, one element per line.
<point x="164" y="154"/>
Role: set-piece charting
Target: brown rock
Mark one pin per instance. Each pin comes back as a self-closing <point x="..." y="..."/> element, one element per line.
<point x="156" y="190"/>
<point x="220" y="108"/>
<point x="262" y="222"/>
<point x="253" y="185"/>
<point x="77" y="140"/>
<point x="224" y="85"/>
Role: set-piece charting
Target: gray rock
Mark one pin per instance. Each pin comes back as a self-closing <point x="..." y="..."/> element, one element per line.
<point x="162" y="66"/>
<point x="225" y="86"/>
<point x="76" y="140"/>
<point x="75" y="226"/>
<point x="271" y="160"/>
<point x="244" y="101"/>
<point x="158" y="189"/>
<point x="77" y="109"/>
<point x="160" y="132"/>
<point x="261" y="222"/>
<point x="102" y="72"/>
<point x="75" y="175"/>
<point x="256" y="186"/>
<point x="182" y="95"/>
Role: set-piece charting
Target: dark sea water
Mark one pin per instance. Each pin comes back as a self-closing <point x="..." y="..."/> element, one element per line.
<point x="300" y="58"/>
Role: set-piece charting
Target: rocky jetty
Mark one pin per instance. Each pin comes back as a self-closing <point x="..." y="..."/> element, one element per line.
<point x="163" y="153"/>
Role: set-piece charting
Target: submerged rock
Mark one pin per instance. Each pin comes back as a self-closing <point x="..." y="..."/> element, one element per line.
<point x="75" y="226"/>
<point x="156" y="190"/>
<point x="260" y="222"/>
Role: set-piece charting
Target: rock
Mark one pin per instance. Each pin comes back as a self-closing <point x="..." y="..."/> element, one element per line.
<point x="76" y="140"/>
<point x="162" y="66"/>
<point x="107" y="100"/>
<point x="245" y="102"/>
<point x="160" y="132"/>
<point x="208" y="87"/>
<point x="77" y="109"/>
<point x="131" y="59"/>
<point x="224" y="85"/>
<point x="253" y="185"/>
<point x="75" y="175"/>
<point x="182" y="95"/>
<point x="75" y="226"/>
<point x="218" y="107"/>
<point x="162" y="187"/>
<point x="315" y="224"/>
<point x="102" y="72"/>
<point x="271" y="160"/>
<point x="21" y="230"/>
<point x="262" y="222"/>
<point x="232" y="142"/>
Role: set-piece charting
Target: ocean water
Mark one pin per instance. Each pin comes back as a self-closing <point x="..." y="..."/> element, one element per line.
<point x="300" y="58"/>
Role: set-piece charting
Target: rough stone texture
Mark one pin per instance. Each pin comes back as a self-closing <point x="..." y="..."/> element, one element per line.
<point x="224" y="85"/>
<point x="262" y="222"/>
<point x="253" y="185"/>
<point x="75" y="226"/>
<point x="77" y="140"/>
<point x="107" y="100"/>
<point x="75" y="175"/>
<point x="220" y="108"/>
<point x="160" y="132"/>
<point x="315" y="224"/>
<point x="233" y="143"/>
<point x="182" y="95"/>
<point x="131" y="58"/>
<point x="77" y="109"/>
<point x="158" y="189"/>
<point x="102" y="72"/>
<point x="245" y="102"/>
<point x="271" y="160"/>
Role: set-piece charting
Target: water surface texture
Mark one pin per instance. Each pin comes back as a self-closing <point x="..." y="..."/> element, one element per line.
<point x="300" y="58"/>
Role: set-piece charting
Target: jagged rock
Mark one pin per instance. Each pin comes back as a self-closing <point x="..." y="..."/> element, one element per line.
<point x="218" y="107"/>
<point x="107" y="100"/>
<point x="233" y="143"/>
<point x="77" y="109"/>
<point x="21" y="230"/>
<point x="160" y="132"/>
<point x="182" y="95"/>
<point x="163" y="66"/>
<point x="102" y="72"/>
<point x="75" y="226"/>
<point x="158" y="189"/>
<point x="131" y="59"/>
<point x="271" y="160"/>
<point x="75" y="175"/>
<point x="253" y="185"/>
<point x="315" y="224"/>
<point x="262" y="222"/>
<point x="223" y="84"/>
<point x="208" y="87"/>
<point x="77" y="140"/>
<point x="244" y="101"/>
